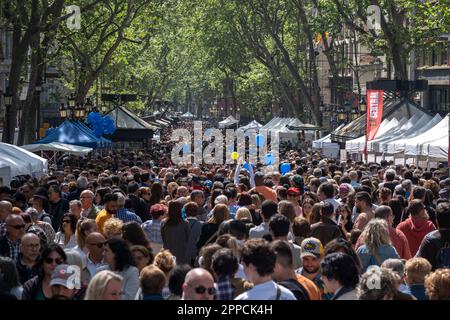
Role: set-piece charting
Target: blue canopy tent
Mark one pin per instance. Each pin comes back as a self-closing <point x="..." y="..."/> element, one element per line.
<point x="104" y="143"/>
<point x="76" y="133"/>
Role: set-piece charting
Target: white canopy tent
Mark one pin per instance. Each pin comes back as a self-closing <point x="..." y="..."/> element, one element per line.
<point x="15" y="161"/>
<point x="280" y="125"/>
<point x="432" y="143"/>
<point x="357" y="145"/>
<point x="374" y="145"/>
<point x="253" y="125"/>
<point x="318" y="144"/>
<point x="409" y="129"/>
<point x="228" y="122"/>
<point x="328" y="149"/>
<point x="397" y="144"/>
<point x="187" y="115"/>
<point x="58" y="147"/>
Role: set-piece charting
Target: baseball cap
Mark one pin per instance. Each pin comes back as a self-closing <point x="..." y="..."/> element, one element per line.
<point x="67" y="276"/>
<point x="293" y="191"/>
<point x="312" y="247"/>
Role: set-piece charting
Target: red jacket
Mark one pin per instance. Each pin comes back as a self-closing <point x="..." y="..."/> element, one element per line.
<point x="415" y="230"/>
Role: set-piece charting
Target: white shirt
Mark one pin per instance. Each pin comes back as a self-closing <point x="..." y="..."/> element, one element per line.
<point x="60" y="238"/>
<point x="259" y="231"/>
<point x="266" y="291"/>
<point x="240" y="273"/>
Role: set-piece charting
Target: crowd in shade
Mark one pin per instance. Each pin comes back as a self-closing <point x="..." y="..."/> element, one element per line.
<point x="132" y="225"/>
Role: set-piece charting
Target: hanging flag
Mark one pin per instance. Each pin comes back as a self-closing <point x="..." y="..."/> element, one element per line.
<point x="374" y="115"/>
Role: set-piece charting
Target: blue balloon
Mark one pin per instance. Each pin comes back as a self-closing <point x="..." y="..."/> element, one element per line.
<point x="260" y="140"/>
<point x="186" y="148"/>
<point x="97" y="132"/>
<point x="285" y="168"/>
<point x="90" y="118"/>
<point x="269" y="159"/>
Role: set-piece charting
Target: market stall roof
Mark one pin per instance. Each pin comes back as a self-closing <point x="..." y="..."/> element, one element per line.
<point x="125" y="119"/>
<point x="255" y="125"/>
<point x="15" y="161"/>
<point x="394" y="108"/>
<point x="58" y="147"/>
<point x="229" y="121"/>
<point x="187" y="115"/>
<point x="76" y="133"/>
<point x="282" y="124"/>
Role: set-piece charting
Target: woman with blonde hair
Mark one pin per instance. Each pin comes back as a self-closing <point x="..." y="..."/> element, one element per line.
<point x="83" y="229"/>
<point x="210" y="230"/>
<point x="171" y="190"/>
<point x="105" y="285"/>
<point x="166" y="262"/>
<point x="377" y="244"/>
<point x="243" y="214"/>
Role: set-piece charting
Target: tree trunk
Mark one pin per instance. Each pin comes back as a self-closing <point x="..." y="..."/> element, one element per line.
<point x="27" y="125"/>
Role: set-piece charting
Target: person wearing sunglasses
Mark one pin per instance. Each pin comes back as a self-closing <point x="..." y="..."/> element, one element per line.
<point x="65" y="237"/>
<point x="10" y="243"/>
<point x="198" y="285"/>
<point x="95" y="243"/>
<point x="38" y="287"/>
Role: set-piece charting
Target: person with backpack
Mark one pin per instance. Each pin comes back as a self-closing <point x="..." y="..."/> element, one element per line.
<point x="435" y="246"/>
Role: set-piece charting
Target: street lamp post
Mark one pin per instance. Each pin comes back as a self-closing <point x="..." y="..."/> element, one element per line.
<point x="73" y="110"/>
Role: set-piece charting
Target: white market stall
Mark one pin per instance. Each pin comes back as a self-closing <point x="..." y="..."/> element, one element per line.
<point x="187" y="115"/>
<point x="253" y="125"/>
<point x="15" y="161"/>
<point x="228" y="122"/>
<point x="57" y="147"/>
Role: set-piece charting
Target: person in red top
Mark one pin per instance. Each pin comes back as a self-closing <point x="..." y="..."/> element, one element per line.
<point x="398" y="239"/>
<point x="417" y="226"/>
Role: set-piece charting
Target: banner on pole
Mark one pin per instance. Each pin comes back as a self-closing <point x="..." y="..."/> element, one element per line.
<point x="374" y="113"/>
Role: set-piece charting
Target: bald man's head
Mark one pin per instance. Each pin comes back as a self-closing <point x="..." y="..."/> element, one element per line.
<point x="30" y="245"/>
<point x="5" y="209"/>
<point x="95" y="243"/>
<point x="198" y="285"/>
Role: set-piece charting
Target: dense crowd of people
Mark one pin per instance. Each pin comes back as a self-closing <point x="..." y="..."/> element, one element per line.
<point x="131" y="225"/>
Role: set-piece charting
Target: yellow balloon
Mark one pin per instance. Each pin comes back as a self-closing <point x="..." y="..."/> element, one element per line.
<point x="234" y="155"/>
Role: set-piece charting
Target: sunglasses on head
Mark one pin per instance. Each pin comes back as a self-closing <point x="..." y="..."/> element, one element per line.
<point x="99" y="245"/>
<point x="51" y="260"/>
<point x="18" y="226"/>
<point x="201" y="290"/>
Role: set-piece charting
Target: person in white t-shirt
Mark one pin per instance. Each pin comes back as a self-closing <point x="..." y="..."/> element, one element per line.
<point x="259" y="264"/>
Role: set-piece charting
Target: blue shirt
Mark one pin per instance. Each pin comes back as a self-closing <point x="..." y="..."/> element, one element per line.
<point x="384" y="252"/>
<point x="417" y="290"/>
<point x="126" y="216"/>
